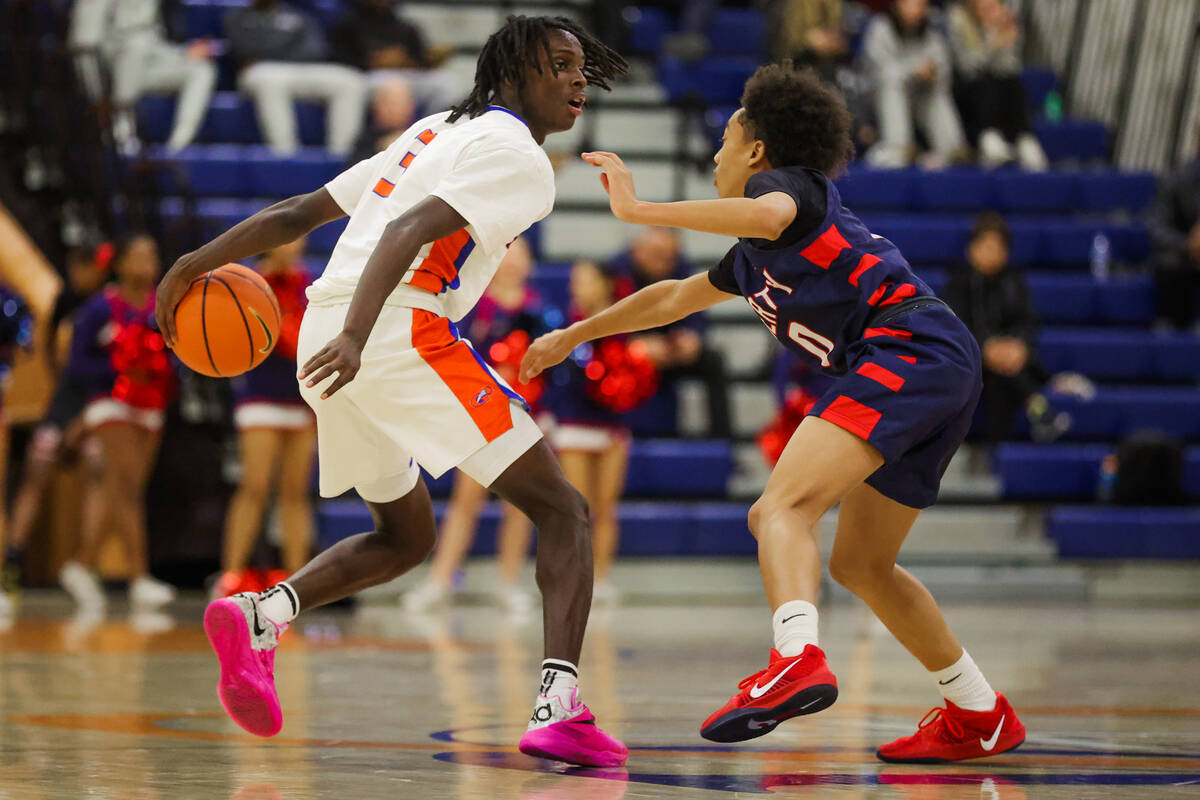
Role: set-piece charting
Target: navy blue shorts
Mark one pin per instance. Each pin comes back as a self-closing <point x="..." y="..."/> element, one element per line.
<point x="910" y="390"/>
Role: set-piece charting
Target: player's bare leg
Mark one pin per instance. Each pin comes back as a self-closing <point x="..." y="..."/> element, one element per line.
<point x="819" y="465"/>
<point x="871" y="529"/>
<point x="562" y="727"/>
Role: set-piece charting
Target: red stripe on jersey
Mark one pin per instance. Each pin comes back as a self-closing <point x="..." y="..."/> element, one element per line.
<point x="426" y="136"/>
<point x="384" y="187"/>
<point x="903" y="291"/>
<point x="909" y="359"/>
<point x="899" y="334"/>
<point x="474" y="387"/>
<point x="440" y="263"/>
<point x="848" y="413"/>
<point x="408" y="158"/>
<point x="864" y="264"/>
<point x="825" y="249"/>
<point x="880" y="375"/>
<point x="878" y="294"/>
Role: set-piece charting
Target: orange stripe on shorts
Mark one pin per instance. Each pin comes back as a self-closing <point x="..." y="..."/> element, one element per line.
<point x="848" y="413"/>
<point x="384" y="187"/>
<point x="473" y="386"/>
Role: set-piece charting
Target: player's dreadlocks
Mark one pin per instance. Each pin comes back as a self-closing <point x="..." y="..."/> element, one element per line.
<point x="519" y="44"/>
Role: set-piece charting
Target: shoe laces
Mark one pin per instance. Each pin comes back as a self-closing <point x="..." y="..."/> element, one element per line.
<point x="937" y="720"/>
<point x="745" y="683"/>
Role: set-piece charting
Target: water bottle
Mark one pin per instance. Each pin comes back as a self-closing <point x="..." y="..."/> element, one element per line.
<point x="1054" y="107"/>
<point x="1101" y="257"/>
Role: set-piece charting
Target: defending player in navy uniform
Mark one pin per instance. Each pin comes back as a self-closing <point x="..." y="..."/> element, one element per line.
<point x="877" y="442"/>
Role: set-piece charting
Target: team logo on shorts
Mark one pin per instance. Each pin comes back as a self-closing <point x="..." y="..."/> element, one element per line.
<point x="482" y="397"/>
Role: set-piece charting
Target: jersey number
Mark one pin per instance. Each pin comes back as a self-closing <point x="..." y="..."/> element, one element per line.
<point x="811" y="341"/>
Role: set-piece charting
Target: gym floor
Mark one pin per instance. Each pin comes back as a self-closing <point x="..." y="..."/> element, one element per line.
<point x="382" y="704"/>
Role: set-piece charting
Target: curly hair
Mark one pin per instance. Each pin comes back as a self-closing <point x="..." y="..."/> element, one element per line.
<point x="518" y="45"/>
<point x="802" y="121"/>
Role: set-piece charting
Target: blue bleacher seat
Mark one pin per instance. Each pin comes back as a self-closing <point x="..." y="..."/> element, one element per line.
<point x="1108" y="190"/>
<point x="953" y="190"/>
<point x="647" y="27"/>
<point x="864" y="188"/>
<point x="1121" y="355"/>
<point x="647" y="529"/>
<point x="1117" y="412"/>
<point x="230" y="120"/>
<point x="1032" y="191"/>
<point x="1121" y="532"/>
<point x="1038" y="83"/>
<point x="1039" y="472"/>
<point x="716" y="80"/>
<point x="1073" y="139"/>
<point x="738" y="31"/>
<point x="205" y="19"/>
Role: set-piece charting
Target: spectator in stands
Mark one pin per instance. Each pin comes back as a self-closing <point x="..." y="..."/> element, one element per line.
<point x="907" y="63"/>
<point x="371" y="35"/>
<point x="993" y="301"/>
<point x="812" y="33"/>
<point x="986" y="43"/>
<point x="285" y="57"/>
<point x="129" y="35"/>
<point x="1175" y="233"/>
<point x="678" y="349"/>
<point x="393" y="109"/>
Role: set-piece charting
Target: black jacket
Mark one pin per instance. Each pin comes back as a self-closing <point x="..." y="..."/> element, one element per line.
<point x="995" y="305"/>
<point x="364" y="29"/>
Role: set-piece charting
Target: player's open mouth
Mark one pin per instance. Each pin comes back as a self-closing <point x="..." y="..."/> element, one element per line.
<point x="577" y="103"/>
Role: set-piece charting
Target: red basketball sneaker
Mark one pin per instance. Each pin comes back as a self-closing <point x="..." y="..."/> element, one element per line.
<point x="787" y="688"/>
<point x="954" y="734"/>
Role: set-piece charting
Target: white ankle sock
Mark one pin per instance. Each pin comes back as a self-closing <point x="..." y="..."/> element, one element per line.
<point x="559" y="679"/>
<point x="795" y="626"/>
<point x="963" y="684"/>
<point x="280" y="603"/>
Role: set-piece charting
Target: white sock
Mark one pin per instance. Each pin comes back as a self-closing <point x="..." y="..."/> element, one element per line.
<point x="795" y="626"/>
<point x="559" y="678"/>
<point x="280" y="604"/>
<point x="963" y="684"/>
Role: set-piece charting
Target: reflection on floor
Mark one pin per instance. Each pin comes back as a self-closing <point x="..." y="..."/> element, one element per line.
<point x="381" y="704"/>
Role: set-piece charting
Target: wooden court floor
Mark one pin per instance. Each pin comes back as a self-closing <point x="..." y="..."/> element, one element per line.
<point x="379" y="704"/>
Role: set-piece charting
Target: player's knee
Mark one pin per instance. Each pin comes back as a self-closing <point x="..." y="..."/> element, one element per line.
<point x="407" y="546"/>
<point x="769" y="513"/>
<point x="859" y="575"/>
<point x="254" y="490"/>
<point x="564" y="510"/>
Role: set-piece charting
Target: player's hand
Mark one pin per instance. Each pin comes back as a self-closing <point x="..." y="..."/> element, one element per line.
<point x="617" y="180"/>
<point x="171" y="290"/>
<point x="342" y="355"/>
<point x="545" y="352"/>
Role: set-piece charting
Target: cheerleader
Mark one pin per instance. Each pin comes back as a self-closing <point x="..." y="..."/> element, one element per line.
<point x="277" y="436"/>
<point x="508" y="316"/>
<point x="61" y="436"/>
<point x="121" y="363"/>
<point x="590" y="435"/>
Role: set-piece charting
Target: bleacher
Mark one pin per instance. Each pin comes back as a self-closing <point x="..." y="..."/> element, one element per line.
<point x="1099" y="328"/>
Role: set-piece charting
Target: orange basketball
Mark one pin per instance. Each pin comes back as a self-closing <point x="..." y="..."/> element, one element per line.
<point x="227" y="322"/>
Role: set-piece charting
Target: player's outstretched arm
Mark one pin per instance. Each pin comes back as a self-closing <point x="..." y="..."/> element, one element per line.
<point x="658" y="304"/>
<point x="429" y="220"/>
<point x="765" y="217"/>
<point x="281" y="223"/>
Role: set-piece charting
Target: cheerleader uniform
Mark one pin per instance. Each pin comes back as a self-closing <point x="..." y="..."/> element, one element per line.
<point x="120" y="362"/>
<point x="268" y="396"/>
<point x="581" y="423"/>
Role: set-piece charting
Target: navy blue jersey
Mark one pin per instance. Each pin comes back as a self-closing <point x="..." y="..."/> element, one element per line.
<point x="819" y="286"/>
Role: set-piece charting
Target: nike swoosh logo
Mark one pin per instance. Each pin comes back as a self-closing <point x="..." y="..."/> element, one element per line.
<point x="952" y="680"/>
<point x="259" y="630"/>
<point x="758" y="691"/>
<point x="793" y="616"/>
<point x="755" y="725"/>
<point x="988" y="744"/>
<point x="266" y="348"/>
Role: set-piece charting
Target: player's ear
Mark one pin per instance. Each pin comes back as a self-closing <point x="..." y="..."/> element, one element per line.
<point x="758" y="155"/>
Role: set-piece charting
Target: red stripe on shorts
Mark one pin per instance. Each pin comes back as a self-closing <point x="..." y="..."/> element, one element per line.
<point x="848" y="413"/>
<point x="881" y="375"/>
<point x="825" y="249"/>
<point x="909" y="359"/>
<point x="473" y="386"/>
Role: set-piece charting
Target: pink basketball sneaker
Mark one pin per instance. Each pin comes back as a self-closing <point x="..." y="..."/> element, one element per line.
<point x="570" y="735"/>
<point x="244" y="641"/>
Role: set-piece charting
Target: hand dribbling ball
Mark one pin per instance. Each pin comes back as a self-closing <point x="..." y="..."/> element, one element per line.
<point x="227" y="322"/>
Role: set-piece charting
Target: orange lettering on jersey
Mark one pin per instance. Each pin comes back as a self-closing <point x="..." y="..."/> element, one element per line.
<point x="826" y="248"/>
<point x="384" y="187"/>
<point x="426" y="136"/>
